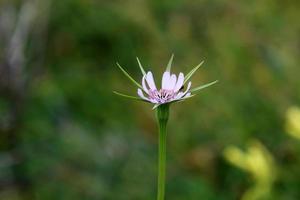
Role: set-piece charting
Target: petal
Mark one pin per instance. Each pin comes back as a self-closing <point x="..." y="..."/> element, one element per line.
<point x="150" y="81"/>
<point x="188" y="87"/>
<point x="141" y="94"/>
<point x="153" y="101"/>
<point x="181" y="94"/>
<point x="179" y="82"/>
<point x="187" y="95"/>
<point x="144" y="84"/>
<point x="165" y="80"/>
<point x="171" y="83"/>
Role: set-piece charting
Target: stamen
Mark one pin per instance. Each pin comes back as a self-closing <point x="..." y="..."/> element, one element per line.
<point x="162" y="96"/>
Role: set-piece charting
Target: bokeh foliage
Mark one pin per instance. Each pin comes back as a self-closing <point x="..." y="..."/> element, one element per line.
<point x="80" y="141"/>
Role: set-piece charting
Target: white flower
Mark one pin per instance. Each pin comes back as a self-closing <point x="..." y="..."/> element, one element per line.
<point x="172" y="87"/>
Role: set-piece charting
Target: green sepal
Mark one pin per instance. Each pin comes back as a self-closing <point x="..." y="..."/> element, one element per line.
<point x="190" y="74"/>
<point x="203" y="86"/>
<point x="129" y="77"/>
<point x="128" y="96"/>
<point x="169" y="66"/>
<point x="155" y="106"/>
<point x="141" y="67"/>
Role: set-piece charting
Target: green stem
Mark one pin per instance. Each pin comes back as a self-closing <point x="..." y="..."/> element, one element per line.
<point x="162" y="116"/>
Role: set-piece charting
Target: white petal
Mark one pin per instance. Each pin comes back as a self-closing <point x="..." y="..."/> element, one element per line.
<point x="144" y="84"/>
<point x="165" y="80"/>
<point x="188" y="87"/>
<point x="179" y="82"/>
<point x="150" y="81"/>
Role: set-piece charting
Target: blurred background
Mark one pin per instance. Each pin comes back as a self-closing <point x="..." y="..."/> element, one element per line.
<point x="64" y="135"/>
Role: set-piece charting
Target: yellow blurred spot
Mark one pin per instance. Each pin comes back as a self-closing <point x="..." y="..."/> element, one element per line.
<point x="293" y="122"/>
<point x="258" y="162"/>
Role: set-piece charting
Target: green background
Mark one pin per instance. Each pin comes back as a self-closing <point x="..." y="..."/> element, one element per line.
<point x="77" y="140"/>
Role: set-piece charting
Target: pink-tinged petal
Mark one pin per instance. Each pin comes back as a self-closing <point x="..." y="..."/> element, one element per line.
<point x="144" y="85"/>
<point x="165" y="80"/>
<point x="172" y="82"/>
<point x="181" y="94"/>
<point x="150" y="81"/>
<point x="187" y="95"/>
<point x="153" y="101"/>
<point x="179" y="83"/>
<point x="141" y="94"/>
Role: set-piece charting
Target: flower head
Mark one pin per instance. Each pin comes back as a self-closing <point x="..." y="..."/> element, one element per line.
<point x="173" y="88"/>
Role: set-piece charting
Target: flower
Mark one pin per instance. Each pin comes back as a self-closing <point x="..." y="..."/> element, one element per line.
<point x="172" y="90"/>
<point x="172" y="87"/>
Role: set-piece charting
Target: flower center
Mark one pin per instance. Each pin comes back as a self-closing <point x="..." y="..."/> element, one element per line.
<point x="162" y="96"/>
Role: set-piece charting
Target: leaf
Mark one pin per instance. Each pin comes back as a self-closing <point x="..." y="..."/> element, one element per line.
<point x="190" y="74"/>
<point x="128" y="96"/>
<point x="168" y="69"/>
<point x="203" y="86"/>
<point x="141" y="67"/>
<point x="129" y="77"/>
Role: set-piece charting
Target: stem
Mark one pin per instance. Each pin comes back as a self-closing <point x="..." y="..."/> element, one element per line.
<point x="161" y="163"/>
<point x="162" y="116"/>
